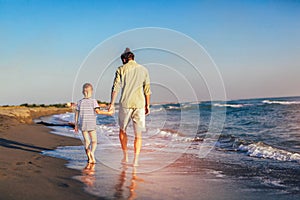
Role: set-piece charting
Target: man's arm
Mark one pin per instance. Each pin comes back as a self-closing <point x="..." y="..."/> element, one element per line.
<point x="147" y="93"/>
<point x="147" y="104"/>
<point x="113" y="97"/>
<point x="114" y="91"/>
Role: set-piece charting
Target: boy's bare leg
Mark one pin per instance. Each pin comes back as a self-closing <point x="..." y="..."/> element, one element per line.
<point x="137" y="148"/>
<point x="93" y="136"/>
<point x="123" y="141"/>
<point x="87" y="143"/>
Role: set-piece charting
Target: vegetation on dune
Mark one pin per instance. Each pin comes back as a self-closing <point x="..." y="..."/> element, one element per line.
<point x="58" y="105"/>
<point x="102" y="102"/>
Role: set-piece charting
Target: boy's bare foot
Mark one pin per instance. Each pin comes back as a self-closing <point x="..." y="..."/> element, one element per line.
<point x="93" y="160"/>
<point x="125" y="158"/>
<point x="88" y="153"/>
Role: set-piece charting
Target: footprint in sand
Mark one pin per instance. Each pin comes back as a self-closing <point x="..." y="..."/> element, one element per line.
<point x="20" y="163"/>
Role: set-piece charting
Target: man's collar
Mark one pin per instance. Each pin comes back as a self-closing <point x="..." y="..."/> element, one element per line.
<point x="131" y="61"/>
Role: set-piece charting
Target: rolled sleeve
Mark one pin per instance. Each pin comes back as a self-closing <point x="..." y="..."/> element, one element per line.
<point x="117" y="82"/>
<point x="96" y="105"/>
<point x="146" y="86"/>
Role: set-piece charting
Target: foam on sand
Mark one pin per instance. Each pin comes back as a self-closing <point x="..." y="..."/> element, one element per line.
<point x="262" y="150"/>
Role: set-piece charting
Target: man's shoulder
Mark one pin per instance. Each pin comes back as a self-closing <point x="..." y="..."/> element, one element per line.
<point x="120" y="67"/>
<point x="143" y="68"/>
<point x="130" y="65"/>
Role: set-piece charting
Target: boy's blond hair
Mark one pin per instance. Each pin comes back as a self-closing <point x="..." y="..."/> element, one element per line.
<point x="84" y="87"/>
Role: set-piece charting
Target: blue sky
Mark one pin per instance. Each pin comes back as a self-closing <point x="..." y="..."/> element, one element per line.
<point x="255" y="44"/>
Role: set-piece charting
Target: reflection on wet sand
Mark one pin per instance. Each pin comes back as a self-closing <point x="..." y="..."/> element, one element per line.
<point x="88" y="174"/>
<point x="119" y="194"/>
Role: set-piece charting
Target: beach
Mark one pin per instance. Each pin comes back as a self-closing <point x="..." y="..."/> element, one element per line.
<point x="41" y="163"/>
<point x="24" y="172"/>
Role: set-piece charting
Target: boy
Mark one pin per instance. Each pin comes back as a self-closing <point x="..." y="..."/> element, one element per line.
<point x="85" y="120"/>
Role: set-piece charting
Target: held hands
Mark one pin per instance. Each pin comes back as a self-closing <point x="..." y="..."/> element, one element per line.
<point x="111" y="108"/>
<point x="110" y="113"/>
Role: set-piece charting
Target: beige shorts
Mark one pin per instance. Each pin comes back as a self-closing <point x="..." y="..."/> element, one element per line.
<point x="136" y="114"/>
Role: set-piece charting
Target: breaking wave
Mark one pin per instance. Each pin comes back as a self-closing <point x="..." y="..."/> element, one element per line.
<point x="262" y="150"/>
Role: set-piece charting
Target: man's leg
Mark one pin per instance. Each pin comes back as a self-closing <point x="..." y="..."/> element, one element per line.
<point x="138" y="119"/>
<point x="137" y="148"/>
<point x="123" y="141"/>
<point x="87" y="145"/>
<point x="124" y="118"/>
<point x="93" y="136"/>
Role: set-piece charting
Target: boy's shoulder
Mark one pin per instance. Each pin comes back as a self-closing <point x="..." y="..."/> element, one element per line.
<point x="85" y="99"/>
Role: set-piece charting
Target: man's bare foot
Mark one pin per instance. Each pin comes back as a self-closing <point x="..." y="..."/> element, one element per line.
<point x="135" y="163"/>
<point x="124" y="160"/>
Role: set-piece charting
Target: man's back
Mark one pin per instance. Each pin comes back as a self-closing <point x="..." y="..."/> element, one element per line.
<point x="135" y="83"/>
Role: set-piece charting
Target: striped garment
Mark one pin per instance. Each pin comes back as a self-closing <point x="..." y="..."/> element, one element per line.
<point x="87" y="114"/>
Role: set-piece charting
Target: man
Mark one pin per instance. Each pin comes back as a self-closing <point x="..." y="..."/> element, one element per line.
<point x="134" y="81"/>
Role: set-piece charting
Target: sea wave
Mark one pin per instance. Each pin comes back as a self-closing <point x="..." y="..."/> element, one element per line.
<point x="173" y="135"/>
<point x="66" y="117"/>
<point x="230" y="105"/>
<point x="262" y="150"/>
<point x="153" y="110"/>
<point x="280" y="102"/>
<point x="181" y="106"/>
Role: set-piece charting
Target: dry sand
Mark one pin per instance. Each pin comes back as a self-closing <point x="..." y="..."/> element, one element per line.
<point x="24" y="172"/>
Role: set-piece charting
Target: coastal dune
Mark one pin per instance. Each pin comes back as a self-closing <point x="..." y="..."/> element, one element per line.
<point x="26" y="115"/>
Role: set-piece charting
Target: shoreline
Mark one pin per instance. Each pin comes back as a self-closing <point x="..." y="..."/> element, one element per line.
<point x="24" y="172"/>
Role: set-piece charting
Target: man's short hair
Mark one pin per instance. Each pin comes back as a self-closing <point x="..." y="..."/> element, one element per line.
<point x="127" y="55"/>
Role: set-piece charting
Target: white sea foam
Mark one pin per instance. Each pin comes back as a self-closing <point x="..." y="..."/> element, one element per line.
<point x="230" y="105"/>
<point x="262" y="150"/>
<point x="66" y="117"/>
<point x="281" y="102"/>
<point x="173" y="136"/>
<point x="181" y="106"/>
<point x="174" y="107"/>
<point x="153" y="110"/>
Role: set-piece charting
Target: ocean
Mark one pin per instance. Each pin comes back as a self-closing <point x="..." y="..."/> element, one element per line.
<point x="252" y="140"/>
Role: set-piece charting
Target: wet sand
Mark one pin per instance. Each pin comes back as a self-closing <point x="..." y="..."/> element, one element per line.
<point x="24" y="172"/>
<point x="189" y="178"/>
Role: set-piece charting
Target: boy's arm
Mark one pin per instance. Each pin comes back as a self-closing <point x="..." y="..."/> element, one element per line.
<point x="76" y="120"/>
<point x="103" y="112"/>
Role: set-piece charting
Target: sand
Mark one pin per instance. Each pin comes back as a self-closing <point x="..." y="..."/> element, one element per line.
<point x="27" y="174"/>
<point x="24" y="172"/>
